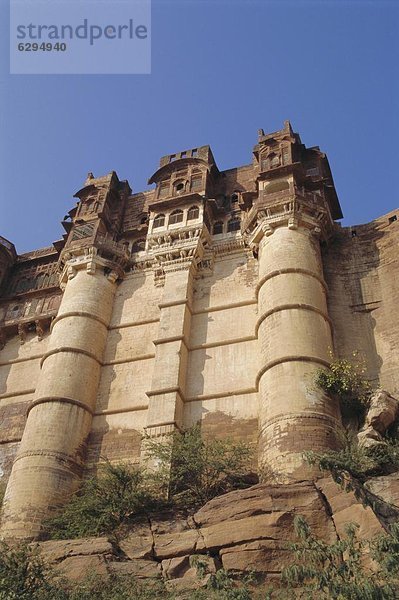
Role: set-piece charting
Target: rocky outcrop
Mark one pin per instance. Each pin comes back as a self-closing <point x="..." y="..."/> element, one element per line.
<point x="386" y="488"/>
<point x="382" y="413"/>
<point x="244" y="530"/>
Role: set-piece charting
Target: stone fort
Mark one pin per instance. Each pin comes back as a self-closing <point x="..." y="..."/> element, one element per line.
<point x="214" y="296"/>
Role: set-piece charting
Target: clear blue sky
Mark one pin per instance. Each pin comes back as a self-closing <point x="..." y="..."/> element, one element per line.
<point x="220" y="71"/>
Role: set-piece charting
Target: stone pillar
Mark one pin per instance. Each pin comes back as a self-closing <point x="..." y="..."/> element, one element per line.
<point x="295" y="338"/>
<point x="50" y="460"/>
<point x="166" y="397"/>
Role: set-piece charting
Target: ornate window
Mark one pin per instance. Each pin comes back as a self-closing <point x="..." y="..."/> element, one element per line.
<point x="179" y="187"/>
<point x="163" y="189"/>
<point x="233" y="225"/>
<point x="176" y="217"/>
<point x="193" y="213"/>
<point x="196" y="182"/>
<point x="234" y="198"/>
<point x="274" y="160"/>
<point x="143" y="218"/>
<point x="159" y="221"/>
<point x="218" y="227"/>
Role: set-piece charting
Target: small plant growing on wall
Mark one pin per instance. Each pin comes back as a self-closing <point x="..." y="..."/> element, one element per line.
<point x="346" y="383"/>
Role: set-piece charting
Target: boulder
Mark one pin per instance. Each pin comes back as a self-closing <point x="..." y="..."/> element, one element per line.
<point x="54" y="551"/>
<point x="345" y="509"/>
<point x="266" y="556"/>
<point x="78" y="568"/>
<point x="382" y="413"/>
<point x="385" y="487"/>
<point x="138" y="543"/>
<point x="169" y="545"/>
<point x="141" y="569"/>
<point x="175" y="568"/>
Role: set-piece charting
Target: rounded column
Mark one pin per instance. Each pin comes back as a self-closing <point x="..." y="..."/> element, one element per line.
<point x="50" y="461"/>
<point x="295" y="338"/>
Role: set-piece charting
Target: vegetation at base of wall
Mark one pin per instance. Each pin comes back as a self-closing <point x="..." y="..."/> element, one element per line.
<point x="352" y="464"/>
<point x="338" y="570"/>
<point x="190" y="472"/>
<point x="358" y="461"/>
<point x="345" y="382"/>
<point x="116" y="495"/>
<point x="318" y="571"/>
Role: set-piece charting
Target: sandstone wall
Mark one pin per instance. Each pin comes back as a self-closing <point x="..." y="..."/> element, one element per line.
<point x="361" y="269"/>
<point x="19" y="372"/>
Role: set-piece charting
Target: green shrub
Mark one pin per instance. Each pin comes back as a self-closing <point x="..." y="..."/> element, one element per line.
<point x="345" y="382"/>
<point x="194" y="470"/>
<point x="337" y="570"/>
<point x="115" y="496"/>
<point x="385" y="551"/>
<point x="24" y="576"/>
<point x="352" y="464"/>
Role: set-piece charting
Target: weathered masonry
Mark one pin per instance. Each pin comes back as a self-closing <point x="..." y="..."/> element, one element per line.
<point x="214" y="296"/>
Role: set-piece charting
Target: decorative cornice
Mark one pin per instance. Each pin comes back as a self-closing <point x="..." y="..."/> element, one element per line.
<point x="110" y="256"/>
<point x="301" y="209"/>
<point x="176" y="250"/>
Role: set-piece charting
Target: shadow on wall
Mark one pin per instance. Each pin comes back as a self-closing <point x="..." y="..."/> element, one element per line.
<point x="103" y="441"/>
<point x="351" y="268"/>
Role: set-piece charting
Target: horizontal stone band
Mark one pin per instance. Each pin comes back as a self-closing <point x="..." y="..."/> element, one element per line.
<point x="284" y="359"/>
<point x="61" y="400"/>
<point x="17" y="393"/>
<point x="301" y="415"/>
<point x="288" y="271"/>
<point x="78" y="313"/>
<point x="72" y="350"/>
<point x="61" y="456"/>
<point x="299" y="306"/>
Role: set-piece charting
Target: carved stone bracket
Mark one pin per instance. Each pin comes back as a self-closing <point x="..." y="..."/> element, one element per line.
<point x="292" y="212"/>
<point x="89" y="258"/>
<point x="177" y="250"/>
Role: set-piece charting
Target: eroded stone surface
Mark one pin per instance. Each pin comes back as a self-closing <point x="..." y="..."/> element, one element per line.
<point x="382" y="413"/>
<point x="245" y="530"/>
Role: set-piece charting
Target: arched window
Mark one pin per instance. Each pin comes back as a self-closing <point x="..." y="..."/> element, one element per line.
<point x="138" y="245"/>
<point x="218" y="227"/>
<point x="234" y="198"/>
<point x="176" y="217"/>
<point x="143" y="218"/>
<point x="233" y="225"/>
<point x="179" y="187"/>
<point x="274" y="160"/>
<point x="193" y="213"/>
<point x="159" y="221"/>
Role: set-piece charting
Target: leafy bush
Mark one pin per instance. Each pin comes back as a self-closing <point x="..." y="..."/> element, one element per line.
<point x="385" y="551"/>
<point x="194" y="470"/>
<point x="345" y="382"/>
<point x="191" y="471"/>
<point x="358" y="461"/>
<point x="23" y="575"/>
<point x="115" y="496"/>
<point x="337" y="570"/>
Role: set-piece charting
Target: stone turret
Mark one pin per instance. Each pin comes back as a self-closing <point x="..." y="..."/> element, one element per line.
<point x="292" y="214"/>
<point x="51" y="456"/>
